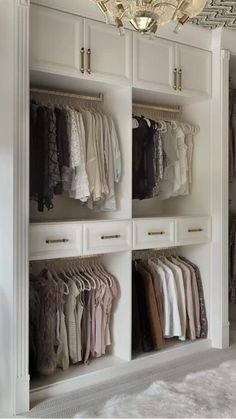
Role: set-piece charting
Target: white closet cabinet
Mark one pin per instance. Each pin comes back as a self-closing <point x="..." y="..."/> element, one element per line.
<point x="70" y="45"/>
<point x="55" y="41"/>
<point x="154" y="62"/>
<point x="100" y="42"/>
<point x="168" y="67"/>
<point x="193" y="70"/>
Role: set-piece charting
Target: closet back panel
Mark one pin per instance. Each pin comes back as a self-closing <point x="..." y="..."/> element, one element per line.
<point x="118" y="104"/>
<point x="198" y="201"/>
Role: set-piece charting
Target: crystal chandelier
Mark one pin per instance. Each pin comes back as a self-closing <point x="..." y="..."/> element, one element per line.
<point x="147" y="15"/>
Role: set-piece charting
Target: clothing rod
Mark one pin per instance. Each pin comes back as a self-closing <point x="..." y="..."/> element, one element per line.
<point x="68" y="259"/>
<point x="94" y="98"/>
<point x="161" y="108"/>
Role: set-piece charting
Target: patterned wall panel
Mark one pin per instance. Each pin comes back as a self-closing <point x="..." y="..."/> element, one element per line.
<point x="217" y="13"/>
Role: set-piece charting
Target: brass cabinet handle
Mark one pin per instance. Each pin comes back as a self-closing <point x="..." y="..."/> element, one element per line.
<point x="180" y="79"/>
<point x="57" y="241"/>
<point x="89" y="60"/>
<point x="115" y="236"/>
<point x="82" y="60"/>
<point x="175" y="79"/>
<point x="195" y="230"/>
<point x="156" y="233"/>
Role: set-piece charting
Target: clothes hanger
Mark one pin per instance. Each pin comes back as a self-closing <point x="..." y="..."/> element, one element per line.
<point x="77" y="278"/>
<point x="54" y="272"/>
<point x="89" y="275"/>
<point x="105" y="273"/>
<point x="83" y="278"/>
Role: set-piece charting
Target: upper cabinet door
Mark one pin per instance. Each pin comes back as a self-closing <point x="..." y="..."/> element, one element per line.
<point x="154" y="63"/>
<point x="55" y="41"/>
<point x="108" y="56"/>
<point x="194" y="71"/>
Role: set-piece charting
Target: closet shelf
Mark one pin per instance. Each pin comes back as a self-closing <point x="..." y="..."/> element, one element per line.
<point x="73" y="95"/>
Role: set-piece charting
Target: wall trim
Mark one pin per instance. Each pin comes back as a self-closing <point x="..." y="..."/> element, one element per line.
<point x="21" y="207"/>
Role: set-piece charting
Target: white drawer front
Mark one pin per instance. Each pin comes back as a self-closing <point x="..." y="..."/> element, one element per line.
<point x="107" y="236"/>
<point x="55" y="240"/>
<point x="193" y="230"/>
<point x="153" y="233"/>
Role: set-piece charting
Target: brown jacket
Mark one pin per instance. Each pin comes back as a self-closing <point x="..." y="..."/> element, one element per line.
<point x="153" y="314"/>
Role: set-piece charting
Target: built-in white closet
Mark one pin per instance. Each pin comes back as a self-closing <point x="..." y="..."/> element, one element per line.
<point x="157" y="72"/>
<point x="72" y="53"/>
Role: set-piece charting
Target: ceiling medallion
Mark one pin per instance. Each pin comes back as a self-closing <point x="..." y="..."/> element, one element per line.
<point x="147" y="15"/>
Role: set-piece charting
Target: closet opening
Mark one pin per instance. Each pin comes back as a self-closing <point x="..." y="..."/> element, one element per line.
<point x="232" y="199"/>
<point x="89" y="179"/>
<point x="79" y="318"/>
<point x="170" y="298"/>
<point x="180" y="137"/>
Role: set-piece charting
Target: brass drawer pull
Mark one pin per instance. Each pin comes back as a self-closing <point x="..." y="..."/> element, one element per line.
<point x="115" y="236"/>
<point x="195" y="230"/>
<point x="175" y="79"/>
<point x="57" y="241"/>
<point x="82" y="60"/>
<point x="180" y="79"/>
<point x="89" y="61"/>
<point x="156" y="233"/>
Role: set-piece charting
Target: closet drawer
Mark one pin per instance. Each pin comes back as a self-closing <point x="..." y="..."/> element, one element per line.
<point x="193" y="230"/>
<point x="153" y="233"/>
<point x="54" y="240"/>
<point x="106" y="236"/>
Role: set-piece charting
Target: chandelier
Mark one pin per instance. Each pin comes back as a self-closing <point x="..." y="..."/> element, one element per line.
<point x="147" y="15"/>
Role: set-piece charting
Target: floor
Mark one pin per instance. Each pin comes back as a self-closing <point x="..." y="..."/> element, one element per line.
<point x="68" y="405"/>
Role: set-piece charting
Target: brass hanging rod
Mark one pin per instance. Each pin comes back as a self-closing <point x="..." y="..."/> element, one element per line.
<point x="160" y="108"/>
<point x="73" y="95"/>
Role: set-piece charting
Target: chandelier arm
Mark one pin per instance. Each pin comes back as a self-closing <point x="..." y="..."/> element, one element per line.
<point x="178" y="8"/>
<point x="164" y="4"/>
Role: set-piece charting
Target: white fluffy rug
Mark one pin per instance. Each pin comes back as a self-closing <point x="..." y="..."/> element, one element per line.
<point x="208" y="394"/>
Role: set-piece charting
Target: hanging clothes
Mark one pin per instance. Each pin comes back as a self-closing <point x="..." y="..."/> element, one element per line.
<point x="170" y="302"/>
<point x="70" y="315"/>
<point x="162" y="158"/>
<point x="75" y="153"/>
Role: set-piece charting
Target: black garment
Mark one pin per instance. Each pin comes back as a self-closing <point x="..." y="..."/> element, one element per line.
<point x="146" y="336"/>
<point x="143" y="152"/>
<point x="136" y="327"/>
<point x="40" y="190"/>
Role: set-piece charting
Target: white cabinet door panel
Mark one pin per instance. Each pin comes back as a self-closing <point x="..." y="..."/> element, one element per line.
<point x="53" y="240"/>
<point x="55" y="41"/>
<point x="154" y="63"/>
<point x="193" y="230"/>
<point x="111" y="54"/>
<point x="153" y="233"/>
<point x="196" y="70"/>
<point x="106" y="236"/>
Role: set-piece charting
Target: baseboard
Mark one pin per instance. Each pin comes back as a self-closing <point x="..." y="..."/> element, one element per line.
<point x="126" y="367"/>
<point x="22" y="395"/>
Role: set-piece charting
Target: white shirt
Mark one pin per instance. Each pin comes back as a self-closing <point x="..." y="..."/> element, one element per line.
<point x="179" y="282"/>
<point x="174" y="324"/>
<point x="164" y="291"/>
